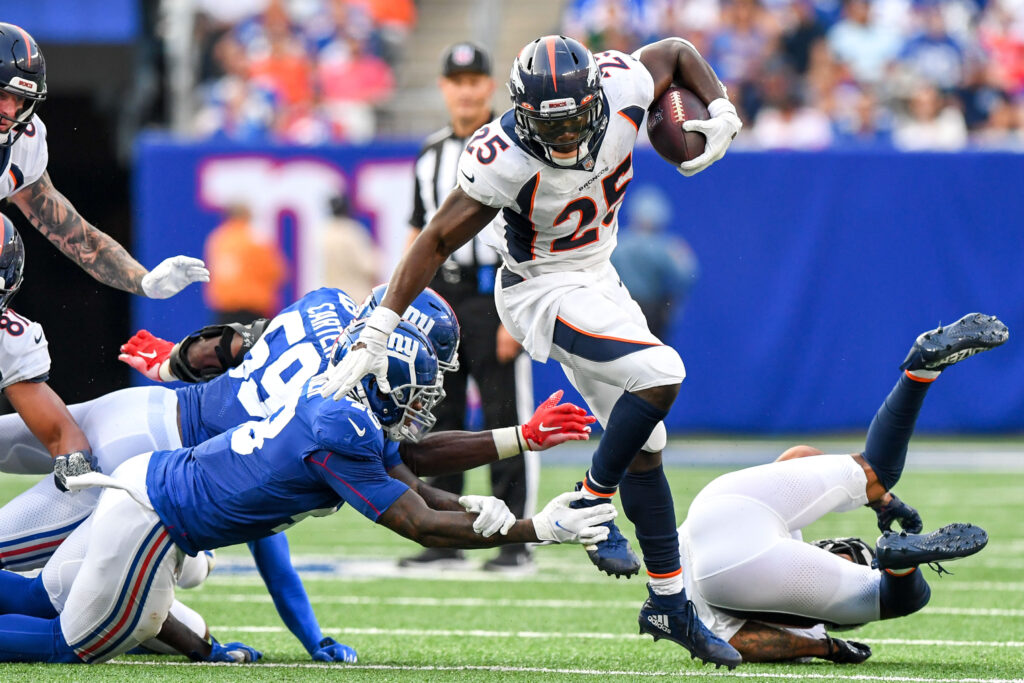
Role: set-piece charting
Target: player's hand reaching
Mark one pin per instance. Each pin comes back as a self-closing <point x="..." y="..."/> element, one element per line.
<point x="330" y="650"/>
<point x="719" y="130"/>
<point x="554" y="423"/>
<point x="558" y="523"/>
<point x="368" y="355"/>
<point x="233" y="653"/>
<point x="149" y="355"/>
<point x="494" y="515"/>
<point x="892" y="509"/>
<point x="846" y="651"/>
<point x="172" y="275"/>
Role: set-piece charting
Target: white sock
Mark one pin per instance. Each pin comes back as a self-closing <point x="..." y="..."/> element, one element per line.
<point x="668" y="585"/>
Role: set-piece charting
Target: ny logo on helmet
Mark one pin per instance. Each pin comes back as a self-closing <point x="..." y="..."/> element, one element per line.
<point x="407" y="347"/>
<point x="420" y="319"/>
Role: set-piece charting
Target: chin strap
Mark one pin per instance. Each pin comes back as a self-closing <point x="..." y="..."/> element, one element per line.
<point x="184" y="370"/>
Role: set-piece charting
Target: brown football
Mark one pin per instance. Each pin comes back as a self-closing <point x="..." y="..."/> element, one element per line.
<point x="665" y="125"/>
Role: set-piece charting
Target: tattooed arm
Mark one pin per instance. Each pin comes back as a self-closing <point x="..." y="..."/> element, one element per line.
<point x="763" y="643"/>
<point x="96" y="252"/>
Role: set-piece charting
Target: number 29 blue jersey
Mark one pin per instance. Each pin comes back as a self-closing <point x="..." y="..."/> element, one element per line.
<point x="293" y="349"/>
<point x="310" y="457"/>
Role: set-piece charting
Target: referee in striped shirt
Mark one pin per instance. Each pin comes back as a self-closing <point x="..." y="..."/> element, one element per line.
<point x="488" y="353"/>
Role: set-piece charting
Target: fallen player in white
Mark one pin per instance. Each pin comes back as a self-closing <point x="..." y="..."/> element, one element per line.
<point x="754" y="581"/>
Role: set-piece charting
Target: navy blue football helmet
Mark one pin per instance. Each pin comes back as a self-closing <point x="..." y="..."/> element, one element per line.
<point x="404" y="412"/>
<point x="22" y="73"/>
<point x="12" y="261"/>
<point x="558" y="102"/>
<point x="433" y="316"/>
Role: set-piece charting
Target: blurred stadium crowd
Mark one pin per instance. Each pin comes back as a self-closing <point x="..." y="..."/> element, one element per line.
<point x="302" y="71"/>
<point x="810" y="74"/>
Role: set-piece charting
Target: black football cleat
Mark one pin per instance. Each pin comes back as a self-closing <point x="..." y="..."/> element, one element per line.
<point x="682" y="626"/>
<point x="944" y="346"/>
<point x="903" y="551"/>
<point x="613" y="555"/>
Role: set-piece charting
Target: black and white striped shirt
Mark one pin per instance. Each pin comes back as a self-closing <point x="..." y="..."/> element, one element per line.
<point x="436" y="169"/>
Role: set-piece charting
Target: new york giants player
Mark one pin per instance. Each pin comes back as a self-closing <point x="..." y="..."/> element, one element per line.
<point x="759" y="586"/>
<point x="24" y="180"/>
<point x="551" y="173"/>
<point x="307" y="459"/>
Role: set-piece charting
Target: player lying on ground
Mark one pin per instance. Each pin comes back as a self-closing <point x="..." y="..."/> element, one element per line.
<point x="130" y="421"/>
<point x="551" y="174"/>
<point x="25" y="181"/>
<point x="309" y="458"/>
<point x="772" y="596"/>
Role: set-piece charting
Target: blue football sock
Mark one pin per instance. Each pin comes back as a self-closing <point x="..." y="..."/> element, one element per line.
<point x="629" y="426"/>
<point x="31" y="639"/>
<point x="22" y="595"/>
<point x="899" y="596"/>
<point x="886" y="446"/>
<point x="647" y="502"/>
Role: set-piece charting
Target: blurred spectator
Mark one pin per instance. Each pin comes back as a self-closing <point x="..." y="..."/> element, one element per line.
<point x="930" y="123"/>
<point x="865" y="46"/>
<point x="865" y="124"/>
<point x="784" y="122"/>
<point x="246" y="272"/>
<point x="802" y="30"/>
<point x="658" y="269"/>
<point x="742" y="43"/>
<point x="351" y="259"/>
<point x="931" y="53"/>
<point x="605" y="24"/>
<point x="1003" y="127"/>
<point x="351" y="83"/>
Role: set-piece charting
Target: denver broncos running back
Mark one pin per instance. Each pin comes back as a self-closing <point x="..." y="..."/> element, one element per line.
<point x="553" y="171"/>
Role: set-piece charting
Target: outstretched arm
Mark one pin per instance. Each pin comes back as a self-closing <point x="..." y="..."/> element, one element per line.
<point x="46" y="416"/>
<point x="95" y="251"/>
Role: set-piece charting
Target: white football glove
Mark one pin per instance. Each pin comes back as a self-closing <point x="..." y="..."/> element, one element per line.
<point x="494" y="514"/>
<point x="719" y="130"/>
<point x="172" y="275"/>
<point x="371" y="357"/>
<point x="559" y="523"/>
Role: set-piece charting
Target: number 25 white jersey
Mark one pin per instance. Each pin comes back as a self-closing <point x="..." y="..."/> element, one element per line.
<point x="556" y="219"/>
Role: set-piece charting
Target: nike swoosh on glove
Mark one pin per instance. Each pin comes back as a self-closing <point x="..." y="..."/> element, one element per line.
<point x="148" y="354"/>
<point x="719" y="131"/>
<point x="559" y="523"/>
<point x="172" y="275"/>
<point x="553" y="423"/>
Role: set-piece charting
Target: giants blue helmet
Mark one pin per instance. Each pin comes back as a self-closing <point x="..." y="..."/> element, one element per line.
<point x="559" y="105"/>
<point x="404" y="412"/>
<point x="433" y="316"/>
<point x="12" y="261"/>
<point x="22" y="73"/>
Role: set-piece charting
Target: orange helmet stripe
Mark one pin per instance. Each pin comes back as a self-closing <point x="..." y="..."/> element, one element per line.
<point x="550" y="41"/>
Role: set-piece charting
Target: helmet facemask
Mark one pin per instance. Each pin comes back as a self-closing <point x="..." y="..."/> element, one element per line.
<point x="558" y="119"/>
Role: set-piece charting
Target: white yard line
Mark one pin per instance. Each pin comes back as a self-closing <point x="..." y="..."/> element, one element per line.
<point x="700" y="673"/>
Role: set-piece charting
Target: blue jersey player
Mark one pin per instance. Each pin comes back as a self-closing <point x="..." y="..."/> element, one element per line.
<point x="308" y="458"/>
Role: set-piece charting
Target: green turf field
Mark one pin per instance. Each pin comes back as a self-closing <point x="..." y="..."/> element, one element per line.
<point x="567" y="622"/>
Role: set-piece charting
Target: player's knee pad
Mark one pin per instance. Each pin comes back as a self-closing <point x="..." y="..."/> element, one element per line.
<point x="194" y="570"/>
<point x="899" y="596"/>
<point x="658" y="439"/>
<point x="655" y="366"/>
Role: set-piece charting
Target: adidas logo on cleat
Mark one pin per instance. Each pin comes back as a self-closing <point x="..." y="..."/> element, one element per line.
<point x="659" y="621"/>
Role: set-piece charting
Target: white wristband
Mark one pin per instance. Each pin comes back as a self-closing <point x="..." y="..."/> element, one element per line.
<point x="507" y="442"/>
<point x="721" y="106"/>
<point x="383" y="319"/>
<point x="164" y="372"/>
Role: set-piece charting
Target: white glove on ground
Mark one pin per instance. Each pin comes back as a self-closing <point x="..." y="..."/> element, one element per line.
<point x="172" y="275"/>
<point x="719" y="130"/>
<point x="494" y="514"/>
<point x="559" y="523"/>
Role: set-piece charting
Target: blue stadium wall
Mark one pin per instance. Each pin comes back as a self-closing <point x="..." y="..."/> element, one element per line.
<point x="817" y="270"/>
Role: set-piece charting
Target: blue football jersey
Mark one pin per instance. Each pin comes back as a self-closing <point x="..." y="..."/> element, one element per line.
<point x="294" y="348"/>
<point x="309" y="458"/>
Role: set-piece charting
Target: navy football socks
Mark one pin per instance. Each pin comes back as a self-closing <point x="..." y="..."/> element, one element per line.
<point x="629" y="426"/>
<point x="647" y="502"/>
<point x="889" y="434"/>
<point x="22" y="595"/>
<point x="900" y="595"/>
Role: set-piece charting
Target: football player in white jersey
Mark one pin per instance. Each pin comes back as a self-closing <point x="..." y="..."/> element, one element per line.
<point x="551" y="174"/>
<point x="758" y="585"/>
<point x="24" y="180"/>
